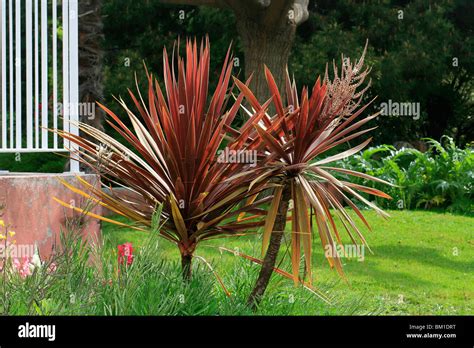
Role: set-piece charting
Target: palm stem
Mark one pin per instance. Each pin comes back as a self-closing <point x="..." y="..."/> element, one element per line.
<point x="270" y="258"/>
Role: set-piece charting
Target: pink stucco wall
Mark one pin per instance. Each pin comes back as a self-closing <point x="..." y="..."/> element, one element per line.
<point x="27" y="205"/>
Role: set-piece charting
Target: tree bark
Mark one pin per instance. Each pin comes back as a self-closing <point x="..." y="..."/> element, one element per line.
<point x="265" y="46"/>
<point x="91" y="55"/>
<point x="186" y="266"/>
<point x="267" y="29"/>
<point x="270" y="258"/>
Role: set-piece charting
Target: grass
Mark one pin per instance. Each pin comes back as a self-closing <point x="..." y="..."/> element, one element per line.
<point x="423" y="264"/>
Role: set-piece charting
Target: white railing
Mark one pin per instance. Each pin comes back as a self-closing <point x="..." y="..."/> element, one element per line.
<point x="39" y="75"/>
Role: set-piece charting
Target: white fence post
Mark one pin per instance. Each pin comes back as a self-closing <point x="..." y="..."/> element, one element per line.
<point x="18" y="79"/>
<point x="38" y="68"/>
<point x="74" y="77"/>
<point x="4" y="73"/>
<point x="29" y="74"/>
<point x="44" y="74"/>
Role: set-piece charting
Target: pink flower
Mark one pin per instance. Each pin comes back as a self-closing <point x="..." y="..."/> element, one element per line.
<point x="125" y="252"/>
<point x="23" y="266"/>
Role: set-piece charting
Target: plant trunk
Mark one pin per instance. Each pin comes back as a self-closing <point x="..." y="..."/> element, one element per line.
<point x="265" y="46"/>
<point x="270" y="258"/>
<point x="186" y="267"/>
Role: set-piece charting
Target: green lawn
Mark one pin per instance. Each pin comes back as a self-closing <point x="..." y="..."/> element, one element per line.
<point x="423" y="263"/>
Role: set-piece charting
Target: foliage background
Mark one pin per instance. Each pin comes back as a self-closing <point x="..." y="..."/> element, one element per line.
<point x="412" y="58"/>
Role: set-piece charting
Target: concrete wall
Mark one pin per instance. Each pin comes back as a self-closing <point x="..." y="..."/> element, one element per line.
<point x="27" y="205"/>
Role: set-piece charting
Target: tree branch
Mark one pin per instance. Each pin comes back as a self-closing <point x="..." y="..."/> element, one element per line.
<point x="292" y="11"/>
<point x="276" y="13"/>
<point x="300" y="8"/>
<point x="271" y="13"/>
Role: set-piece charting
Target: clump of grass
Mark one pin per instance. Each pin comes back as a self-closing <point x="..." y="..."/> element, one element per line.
<point x="87" y="280"/>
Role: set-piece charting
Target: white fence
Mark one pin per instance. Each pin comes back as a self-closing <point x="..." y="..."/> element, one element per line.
<point x="39" y="75"/>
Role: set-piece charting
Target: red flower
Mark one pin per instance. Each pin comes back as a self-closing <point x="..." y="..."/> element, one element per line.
<point x="125" y="252"/>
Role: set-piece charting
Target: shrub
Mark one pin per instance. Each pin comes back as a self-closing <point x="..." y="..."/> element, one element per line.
<point x="304" y="129"/>
<point x="172" y="157"/>
<point x="441" y="177"/>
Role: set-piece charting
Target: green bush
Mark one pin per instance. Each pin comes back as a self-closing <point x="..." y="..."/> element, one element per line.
<point x="32" y="162"/>
<point x="442" y="177"/>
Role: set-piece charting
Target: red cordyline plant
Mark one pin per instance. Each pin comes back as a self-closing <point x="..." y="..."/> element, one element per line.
<point x="174" y="140"/>
<point x="293" y="143"/>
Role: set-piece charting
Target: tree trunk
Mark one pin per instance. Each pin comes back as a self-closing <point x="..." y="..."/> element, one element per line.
<point x="186" y="267"/>
<point x="265" y="46"/>
<point x="91" y="63"/>
<point x="91" y="56"/>
<point x="267" y="29"/>
<point x="270" y="258"/>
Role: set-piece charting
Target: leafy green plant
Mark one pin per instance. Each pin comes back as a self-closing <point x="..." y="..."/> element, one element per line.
<point x="441" y="177"/>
